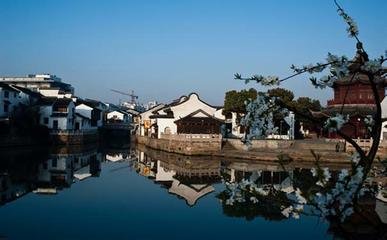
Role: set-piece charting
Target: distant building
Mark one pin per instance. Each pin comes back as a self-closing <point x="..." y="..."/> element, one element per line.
<point x="11" y="97"/>
<point x="118" y="116"/>
<point x="353" y="96"/>
<point x="47" y="84"/>
<point x="150" y="105"/>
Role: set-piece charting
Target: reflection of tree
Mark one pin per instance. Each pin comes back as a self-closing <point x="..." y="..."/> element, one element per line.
<point x="363" y="224"/>
<point x="249" y="199"/>
<point x="269" y="206"/>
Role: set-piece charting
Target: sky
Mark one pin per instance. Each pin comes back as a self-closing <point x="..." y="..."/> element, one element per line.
<point x="165" y="49"/>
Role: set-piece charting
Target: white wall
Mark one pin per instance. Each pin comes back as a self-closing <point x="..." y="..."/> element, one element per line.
<point x="64" y="123"/>
<point x="49" y="92"/>
<point x="384" y="115"/>
<point x="191" y="105"/>
<point x="115" y="115"/>
<point x="179" y="111"/>
<point x="84" y="123"/>
<point x="84" y="110"/>
<point x="45" y="112"/>
<point x="162" y="123"/>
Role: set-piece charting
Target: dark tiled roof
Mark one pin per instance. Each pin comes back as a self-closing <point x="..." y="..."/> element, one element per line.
<point x="8" y="87"/>
<point x="161" y="116"/>
<point x="200" y="111"/>
<point x="29" y="92"/>
<point x="62" y="102"/>
<point x="58" y="114"/>
<point x="46" y="101"/>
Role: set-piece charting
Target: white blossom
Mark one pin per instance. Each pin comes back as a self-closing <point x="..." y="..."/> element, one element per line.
<point x="335" y="123"/>
<point x="355" y="158"/>
<point x="369" y="122"/>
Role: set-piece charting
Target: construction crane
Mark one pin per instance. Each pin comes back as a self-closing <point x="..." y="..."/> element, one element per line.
<point x="131" y="95"/>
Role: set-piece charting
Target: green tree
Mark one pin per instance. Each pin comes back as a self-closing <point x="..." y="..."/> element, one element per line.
<point x="304" y="105"/>
<point x="234" y="101"/>
<point x="285" y="95"/>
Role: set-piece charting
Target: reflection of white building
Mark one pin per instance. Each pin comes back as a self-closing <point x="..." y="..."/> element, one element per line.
<point x="83" y="173"/>
<point x="57" y="170"/>
<point x="116" y="157"/>
<point x="168" y="175"/>
<point x="191" y="193"/>
<point x="62" y="169"/>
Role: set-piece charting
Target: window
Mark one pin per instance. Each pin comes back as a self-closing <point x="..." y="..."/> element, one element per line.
<point x="45" y="120"/>
<point x="6" y="94"/>
<point x="60" y="109"/>
<point x="167" y="130"/>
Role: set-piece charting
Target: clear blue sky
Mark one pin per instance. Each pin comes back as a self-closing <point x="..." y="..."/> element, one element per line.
<point x="163" y="49"/>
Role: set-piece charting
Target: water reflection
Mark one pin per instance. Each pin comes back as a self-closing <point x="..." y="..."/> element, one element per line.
<point x="65" y="166"/>
<point x="190" y="179"/>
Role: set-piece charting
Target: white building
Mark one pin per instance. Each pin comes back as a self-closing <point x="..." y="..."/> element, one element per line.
<point x="39" y="83"/>
<point x="117" y="116"/>
<point x="145" y="122"/>
<point x="88" y="115"/>
<point x="11" y="97"/>
<point x="57" y="113"/>
<point x="383" y="104"/>
<point x="166" y="117"/>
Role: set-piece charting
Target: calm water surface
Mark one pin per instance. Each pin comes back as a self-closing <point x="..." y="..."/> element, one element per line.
<point x="91" y="193"/>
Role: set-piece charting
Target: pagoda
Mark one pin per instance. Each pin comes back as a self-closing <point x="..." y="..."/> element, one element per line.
<point x="353" y="97"/>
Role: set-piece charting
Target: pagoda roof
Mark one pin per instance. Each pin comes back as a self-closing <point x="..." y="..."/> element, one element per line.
<point x="359" y="78"/>
<point x="355" y="110"/>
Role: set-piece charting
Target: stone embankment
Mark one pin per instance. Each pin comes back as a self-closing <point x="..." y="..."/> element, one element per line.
<point x="187" y="144"/>
<point x="262" y="150"/>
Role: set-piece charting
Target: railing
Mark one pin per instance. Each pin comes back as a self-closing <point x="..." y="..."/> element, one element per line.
<point x="191" y="136"/>
<point x="365" y="144"/>
<point x="125" y="126"/>
<point x="73" y="132"/>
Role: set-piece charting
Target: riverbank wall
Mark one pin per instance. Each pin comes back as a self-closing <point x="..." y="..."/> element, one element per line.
<point x="263" y="150"/>
<point x="186" y="144"/>
<point x="74" y="137"/>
